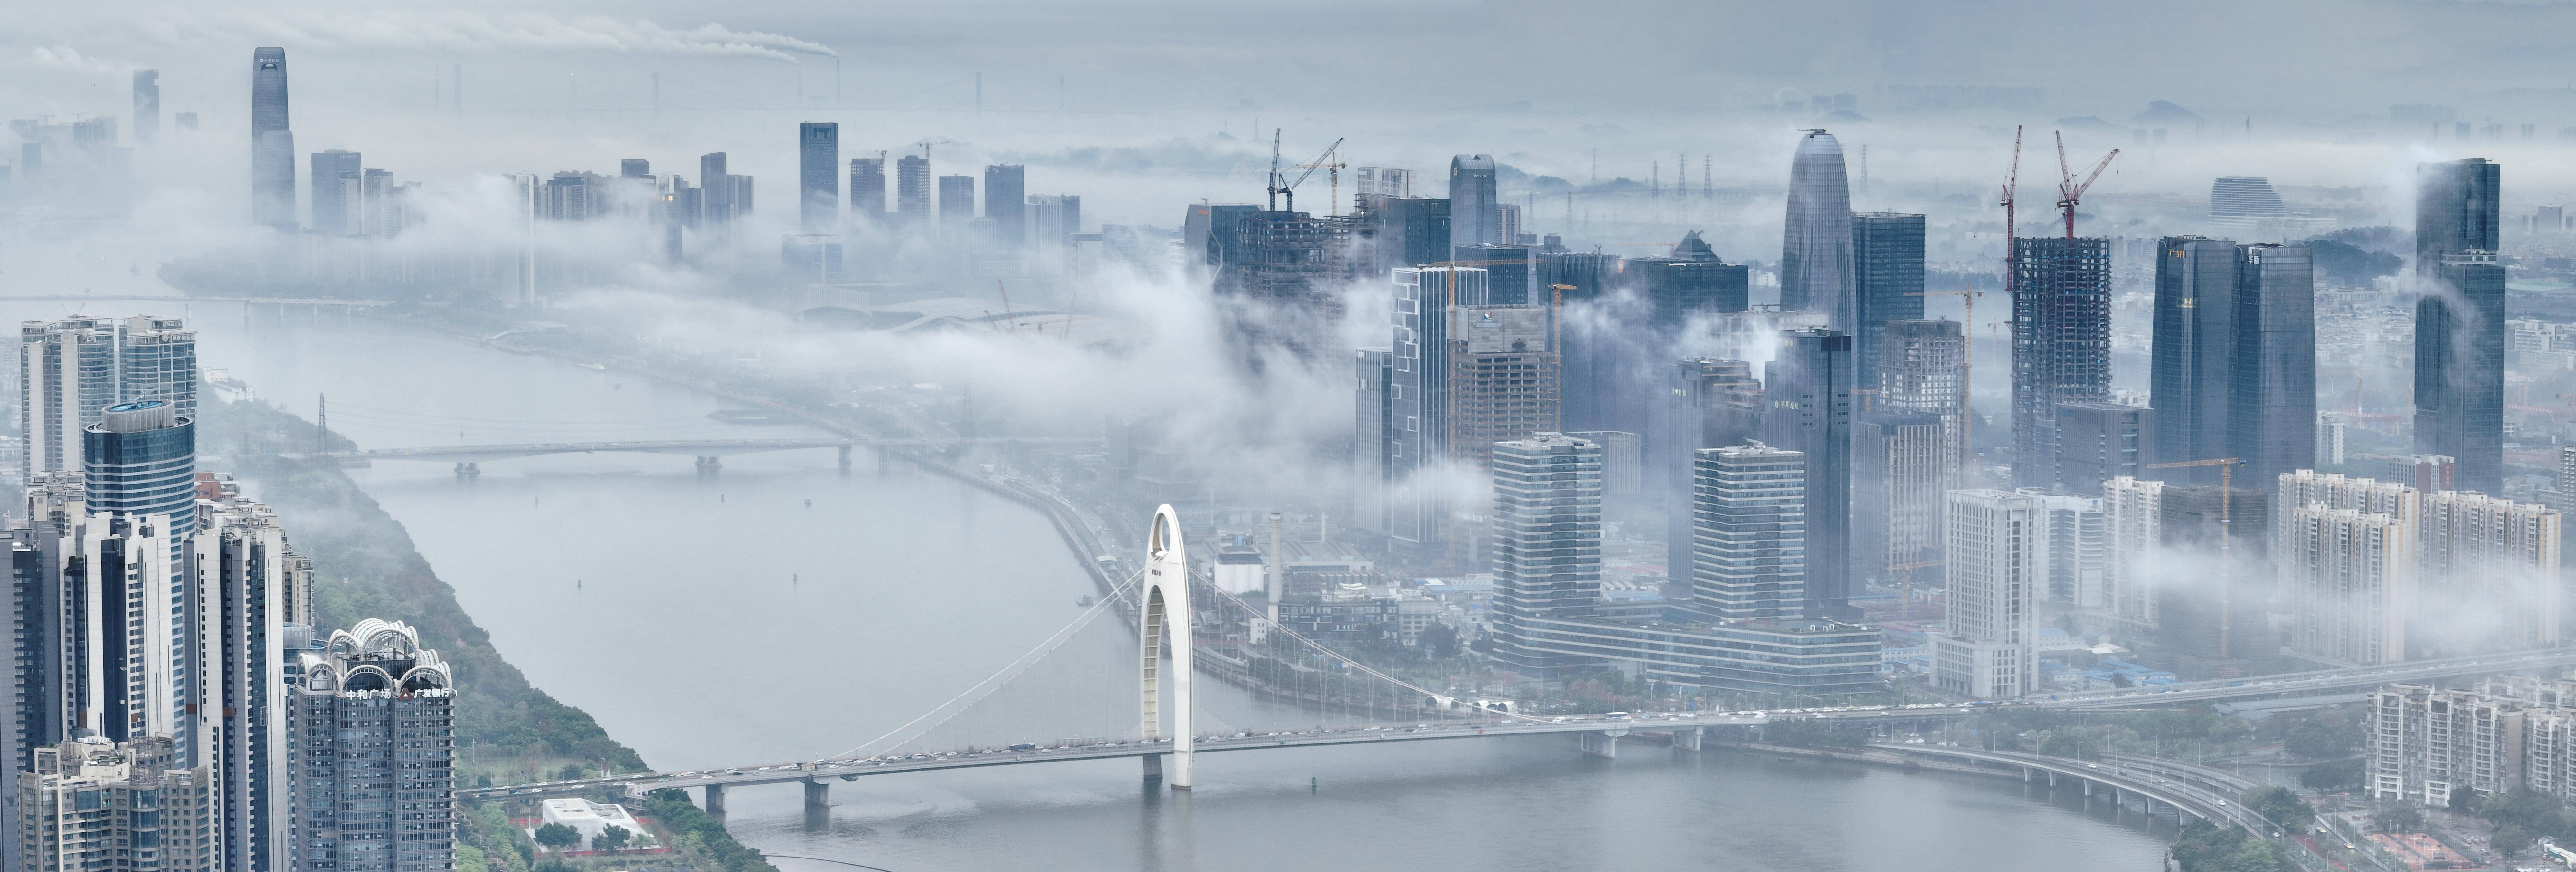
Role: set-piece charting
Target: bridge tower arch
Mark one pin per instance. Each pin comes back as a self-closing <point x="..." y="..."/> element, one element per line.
<point x="1165" y="617"/>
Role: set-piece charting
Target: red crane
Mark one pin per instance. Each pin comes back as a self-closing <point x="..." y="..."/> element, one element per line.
<point x="2068" y="192"/>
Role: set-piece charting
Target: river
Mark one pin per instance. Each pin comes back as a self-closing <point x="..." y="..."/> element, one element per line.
<point x="778" y="610"/>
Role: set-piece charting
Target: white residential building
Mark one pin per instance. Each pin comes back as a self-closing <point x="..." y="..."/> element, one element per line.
<point x="1997" y="570"/>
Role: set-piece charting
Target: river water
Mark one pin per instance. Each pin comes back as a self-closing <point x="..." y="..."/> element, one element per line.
<point x="778" y="610"/>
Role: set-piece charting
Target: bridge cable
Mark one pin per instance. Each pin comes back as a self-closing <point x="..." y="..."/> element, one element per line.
<point x="1008" y="672"/>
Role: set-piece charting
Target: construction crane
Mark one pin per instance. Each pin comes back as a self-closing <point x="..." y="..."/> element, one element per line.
<point x="2226" y="532"/>
<point x="1290" y="189"/>
<point x="1907" y="600"/>
<point x="1331" y="163"/>
<point x="1967" y="295"/>
<point x="2012" y="180"/>
<point x="2068" y="192"/>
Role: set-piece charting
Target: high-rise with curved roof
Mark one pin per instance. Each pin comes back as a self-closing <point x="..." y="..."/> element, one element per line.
<point x="374" y="753"/>
<point x="1816" y="246"/>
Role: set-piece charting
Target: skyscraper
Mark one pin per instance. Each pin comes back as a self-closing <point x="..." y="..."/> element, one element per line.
<point x="2458" y="208"/>
<point x="1546" y="541"/>
<point x="1502" y="379"/>
<point x="818" y="178"/>
<point x="1997" y="570"/>
<point x="868" y="191"/>
<point x="1006" y="190"/>
<point x="1809" y="387"/>
<point x="2194" y="344"/>
<point x="717" y="207"/>
<point x="1816" y="248"/>
<point x="1419" y="379"/>
<point x="634" y="168"/>
<point x="1511" y="272"/>
<point x="2240" y="204"/>
<point x="2061" y="343"/>
<point x="374" y="753"/>
<point x="1700" y="403"/>
<point x="956" y="199"/>
<point x="272" y="144"/>
<point x="2459" y="369"/>
<point x="912" y="190"/>
<point x="2349" y="575"/>
<point x="2272" y="391"/>
<point x="140" y="460"/>
<point x="147" y="106"/>
<point x="2098" y="442"/>
<point x="1372" y="440"/>
<point x="73" y="369"/>
<point x="1887" y="282"/>
<point x="331" y="206"/>
<point x="1899" y="473"/>
<point x="1475" y="215"/>
<point x="257" y="603"/>
<point x="1923" y="370"/>
<point x="91" y="803"/>
<point x="2490" y="578"/>
<point x="1748" y="545"/>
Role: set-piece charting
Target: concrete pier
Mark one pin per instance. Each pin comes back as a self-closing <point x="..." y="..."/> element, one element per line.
<point x="1604" y="745"/>
<point x="715" y="800"/>
<point x="818" y="796"/>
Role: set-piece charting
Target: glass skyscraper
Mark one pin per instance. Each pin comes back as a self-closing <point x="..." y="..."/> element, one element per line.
<point x="272" y="144"/>
<point x="2272" y="390"/>
<point x="1475" y="217"/>
<point x="2459" y="369"/>
<point x="818" y="176"/>
<point x="2188" y="365"/>
<point x="1546" y="541"/>
<point x="1810" y="411"/>
<point x="2459" y="322"/>
<point x="1887" y="281"/>
<point x="141" y="459"/>
<point x="1816" y="246"/>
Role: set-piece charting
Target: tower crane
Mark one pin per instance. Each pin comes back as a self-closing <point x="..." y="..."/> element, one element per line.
<point x="2068" y="192"/>
<point x="1289" y="189"/>
<point x="2012" y="180"/>
<point x="1331" y="163"/>
<point x="2226" y="533"/>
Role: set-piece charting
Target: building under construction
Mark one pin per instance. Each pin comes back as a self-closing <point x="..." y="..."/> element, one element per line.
<point x="1288" y="264"/>
<point x="1502" y="379"/>
<point x="2061" y="343"/>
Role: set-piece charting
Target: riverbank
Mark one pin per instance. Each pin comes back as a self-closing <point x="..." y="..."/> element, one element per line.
<point x="365" y="566"/>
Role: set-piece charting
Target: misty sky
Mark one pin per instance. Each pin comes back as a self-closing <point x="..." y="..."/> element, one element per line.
<point x="1145" y="106"/>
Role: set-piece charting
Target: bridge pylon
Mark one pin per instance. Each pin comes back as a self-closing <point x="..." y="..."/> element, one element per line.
<point x="1166" y="612"/>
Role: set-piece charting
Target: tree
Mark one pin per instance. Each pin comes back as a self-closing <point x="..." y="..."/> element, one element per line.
<point x="2318" y="740"/>
<point x="570" y="771"/>
<point x="2464" y="799"/>
<point x="2337" y="775"/>
<point x="558" y="836"/>
<point x="2282" y="806"/>
<point x="1440" y="641"/>
<point x="614" y="838"/>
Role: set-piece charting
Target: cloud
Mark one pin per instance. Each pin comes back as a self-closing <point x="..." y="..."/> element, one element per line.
<point x="462" y="32"/>
<point x="67" y="58"/>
